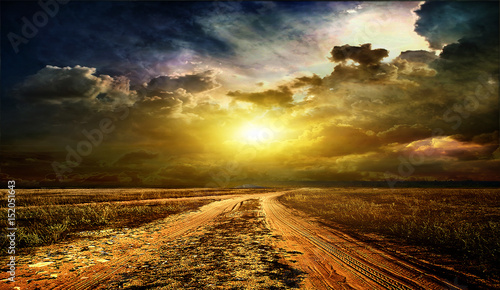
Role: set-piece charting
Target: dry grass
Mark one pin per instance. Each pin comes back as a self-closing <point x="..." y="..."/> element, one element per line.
<point x="46" y="225"/>
<point x="47" y="216"/>
<point x="42" y="197"/>
<point x="464" y="223"/>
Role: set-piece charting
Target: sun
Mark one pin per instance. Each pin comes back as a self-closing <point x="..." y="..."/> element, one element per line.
<point x="256" y="134"/>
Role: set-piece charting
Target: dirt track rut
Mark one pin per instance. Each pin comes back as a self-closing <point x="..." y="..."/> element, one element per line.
<point x="329" y="259"/>
<point x="333" y="260"/>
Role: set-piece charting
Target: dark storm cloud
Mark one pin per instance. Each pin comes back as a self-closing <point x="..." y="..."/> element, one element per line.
<point x="170" y="95"/>
<point x="486" y="138"/>
<point x="142" y="39"/>
<point x="488" y="141"/>
<point x="370" y="68"/>
<point x="467" y="33"/>
<point x="57" y="102"/>
<point x="468" y="66"/>
<point x="80" y="93"/>
<point x="192" y="83"/>
<point x="118" y="38"/>
<point x="55" y="85"/>
<point x="363" y="54"/>
<point x="279" y="97"/>
<point x="403" y="101"/>
<point x="267" y="20"/>
<point x="350" y="73"/>
<point x="410" y="68"/>
<point x="355" y="122"/>
<point x="445" y="22"/>
<point x="418" y="56"/>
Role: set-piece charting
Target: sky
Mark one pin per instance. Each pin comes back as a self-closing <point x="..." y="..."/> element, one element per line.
<point x="216" y="94"/>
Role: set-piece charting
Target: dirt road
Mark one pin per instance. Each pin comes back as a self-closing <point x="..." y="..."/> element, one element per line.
<point x="334" y="260"/>
<point x="241" y="242"/>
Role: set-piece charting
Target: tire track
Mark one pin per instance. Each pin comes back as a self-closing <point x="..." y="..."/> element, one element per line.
<point x="360" y="265"/>
<point x="183" y="225"/>
<point x="332" y="259"/>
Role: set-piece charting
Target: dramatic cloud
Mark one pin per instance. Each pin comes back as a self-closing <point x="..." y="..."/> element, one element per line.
<point x="418" y="56"/>
<point x="442" y="23"/>
<point x="467" y="33"/>
<point x="413" y="68"/>
<point x="331" y="141"/>
<point x="280" y="97"/>
<point x="224" y="93"/>
<point x="192" y="83"/>
<point x="315" y="80"/>
<point x="363" y="54"/>
<point x="404" y="133"/>
<point x="442" y="147"/>
<point x="55" y="85"/>
<point x="382" y="72"/>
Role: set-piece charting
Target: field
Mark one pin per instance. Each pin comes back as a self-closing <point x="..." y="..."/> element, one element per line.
<point x="47" y="216"/>
<point x="266" y="238"/>
<point x="461" y="223"/>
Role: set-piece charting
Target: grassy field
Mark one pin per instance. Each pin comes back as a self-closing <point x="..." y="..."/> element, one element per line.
<point x="42" y="197"/>
<point x="47" y="216"/>
<point x="464" y="223"/>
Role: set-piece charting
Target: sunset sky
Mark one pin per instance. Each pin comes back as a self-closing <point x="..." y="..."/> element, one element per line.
<point x="225" y="93"/>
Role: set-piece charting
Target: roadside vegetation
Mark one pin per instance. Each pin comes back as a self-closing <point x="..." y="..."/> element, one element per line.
<point x="45" y="225"/>
<point x="37" y="197"/>
<point x="462" y="223"/>
<point x="47" y="216"/>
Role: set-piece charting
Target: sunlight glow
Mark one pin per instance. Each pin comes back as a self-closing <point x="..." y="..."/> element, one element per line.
<point x="255" y="134"/>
